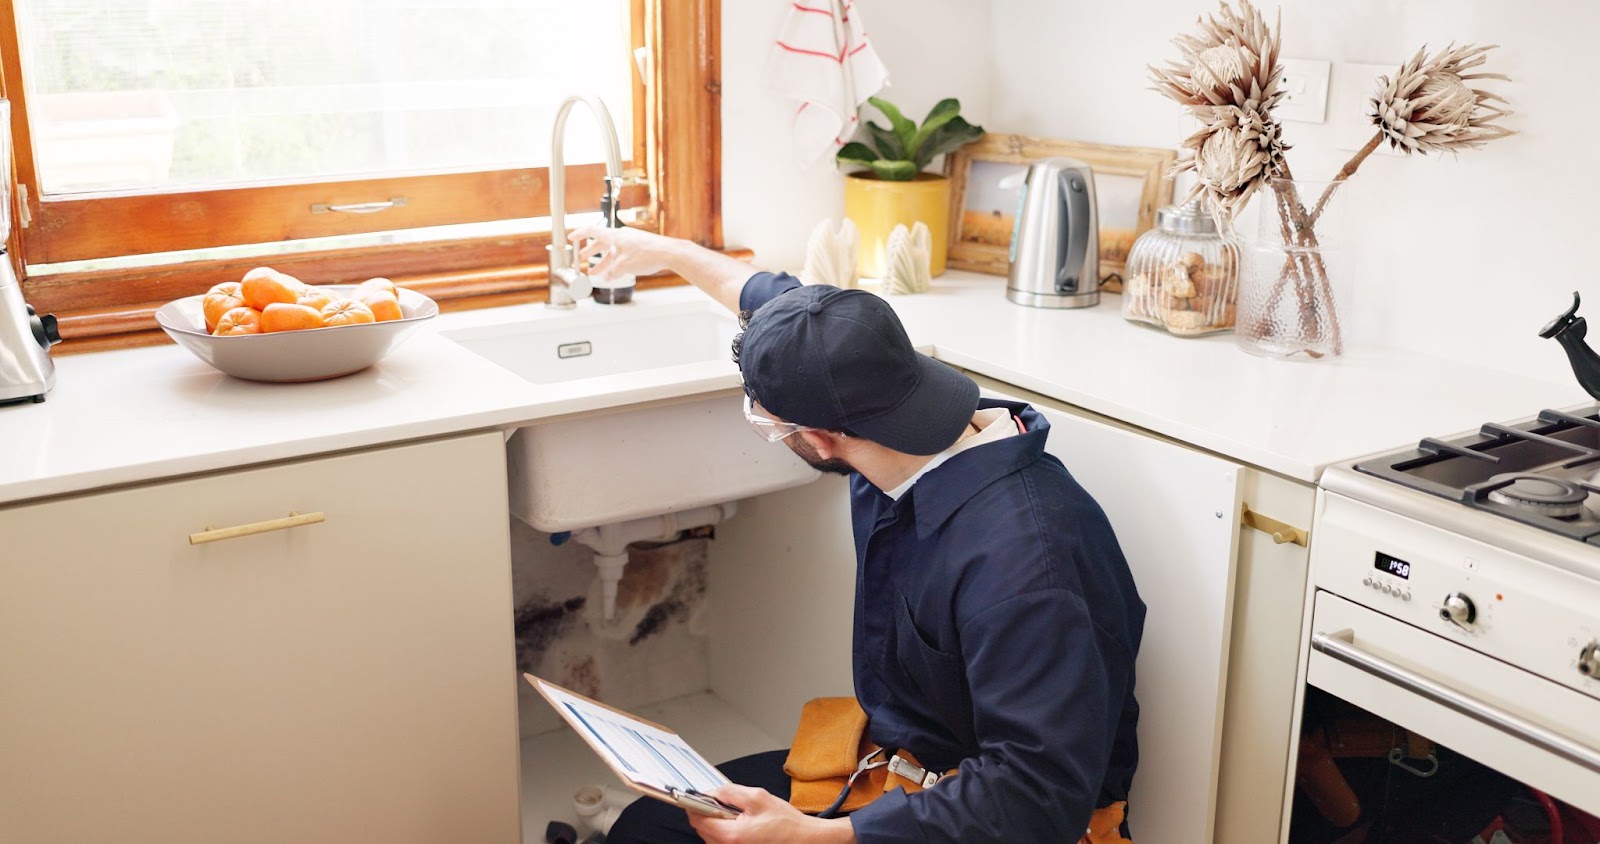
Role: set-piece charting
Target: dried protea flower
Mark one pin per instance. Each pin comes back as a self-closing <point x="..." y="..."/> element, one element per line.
<point x="1233" y="61"/>
<point x="1229" y="78"/>
<point x="1234" y="153"/>
<point x="1429" y="107"/>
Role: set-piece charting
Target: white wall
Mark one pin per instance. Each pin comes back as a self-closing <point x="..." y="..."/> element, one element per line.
<point x="933" y="49"/>
<point x="1466" y="257"/>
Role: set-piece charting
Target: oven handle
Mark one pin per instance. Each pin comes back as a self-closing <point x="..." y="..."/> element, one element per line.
<point x="1339" y="645"/>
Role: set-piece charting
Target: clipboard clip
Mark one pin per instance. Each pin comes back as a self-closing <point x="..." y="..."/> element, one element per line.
<point x="703" y="803"/>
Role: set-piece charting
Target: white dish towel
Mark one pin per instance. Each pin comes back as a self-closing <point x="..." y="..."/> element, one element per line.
<point x="823" y="59"/>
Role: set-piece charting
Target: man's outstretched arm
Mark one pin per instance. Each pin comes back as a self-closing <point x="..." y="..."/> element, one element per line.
<point x="629" y="251"/>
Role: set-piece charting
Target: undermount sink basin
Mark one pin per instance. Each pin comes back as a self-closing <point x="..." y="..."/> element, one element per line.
<point x="569" y="347"/>
<point x="630" y="462"/>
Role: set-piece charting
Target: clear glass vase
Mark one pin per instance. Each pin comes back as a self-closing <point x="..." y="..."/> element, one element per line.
<point x="1293" y="293"/>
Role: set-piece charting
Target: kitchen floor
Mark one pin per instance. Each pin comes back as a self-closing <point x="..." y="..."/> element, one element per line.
<point x="558" y="763"/>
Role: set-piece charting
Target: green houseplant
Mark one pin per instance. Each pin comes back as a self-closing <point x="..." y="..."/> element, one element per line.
<point x="892" y="189"/>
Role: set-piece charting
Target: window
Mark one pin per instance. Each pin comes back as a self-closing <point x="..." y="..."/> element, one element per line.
<point x="163" y="145"/>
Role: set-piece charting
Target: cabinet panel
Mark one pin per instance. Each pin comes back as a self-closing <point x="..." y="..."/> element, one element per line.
<point x="1175" y="511"/>
<point x="351" y="680"/>
<point x="1269" y="594"/>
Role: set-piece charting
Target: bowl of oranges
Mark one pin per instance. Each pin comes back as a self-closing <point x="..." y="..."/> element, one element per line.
<point x="270" y="326"/>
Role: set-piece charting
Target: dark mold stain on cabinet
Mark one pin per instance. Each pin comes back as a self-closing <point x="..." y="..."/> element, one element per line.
<point x="537" y="625"/>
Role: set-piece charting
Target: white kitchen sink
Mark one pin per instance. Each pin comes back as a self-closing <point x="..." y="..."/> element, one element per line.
<point x="643" y="459"/>
<point x="591" y="344"/>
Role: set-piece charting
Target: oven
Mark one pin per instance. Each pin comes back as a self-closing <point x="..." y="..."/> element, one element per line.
<point x="1450" y="670"/>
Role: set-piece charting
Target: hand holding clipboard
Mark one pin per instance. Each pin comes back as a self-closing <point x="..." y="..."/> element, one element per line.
<point x="648" y="757"/>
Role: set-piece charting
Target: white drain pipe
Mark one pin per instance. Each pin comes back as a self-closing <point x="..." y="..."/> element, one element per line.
<point x="610" y="542"/>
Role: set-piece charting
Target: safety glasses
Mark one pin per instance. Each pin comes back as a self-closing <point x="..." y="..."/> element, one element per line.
<point x="768" y="428"/>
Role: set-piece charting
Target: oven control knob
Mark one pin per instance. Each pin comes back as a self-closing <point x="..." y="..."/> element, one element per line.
<point x="1458" y="609"/>
<point x="1589" y="661"/>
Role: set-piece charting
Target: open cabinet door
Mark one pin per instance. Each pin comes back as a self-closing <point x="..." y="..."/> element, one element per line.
<point x="1176" y="514"/>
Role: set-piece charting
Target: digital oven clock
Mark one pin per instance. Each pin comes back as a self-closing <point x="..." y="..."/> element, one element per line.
<point x="1391" y="565"/>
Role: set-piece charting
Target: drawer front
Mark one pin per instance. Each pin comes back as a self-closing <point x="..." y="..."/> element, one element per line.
<point x="350" y="679"/>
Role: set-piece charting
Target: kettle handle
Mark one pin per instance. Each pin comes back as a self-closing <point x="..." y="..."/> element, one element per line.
<point x="1079" y="273"/>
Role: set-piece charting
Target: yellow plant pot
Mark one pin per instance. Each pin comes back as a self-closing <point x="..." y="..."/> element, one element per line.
<point x="876" y="206"/>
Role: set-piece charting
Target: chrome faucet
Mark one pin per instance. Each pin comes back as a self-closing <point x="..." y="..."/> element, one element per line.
<point x="567" y="284"/>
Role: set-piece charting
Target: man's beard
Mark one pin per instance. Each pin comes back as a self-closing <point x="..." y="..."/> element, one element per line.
<point x="832" y="465"/>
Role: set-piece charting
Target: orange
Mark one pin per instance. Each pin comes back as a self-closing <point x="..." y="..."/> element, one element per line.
<point x="347" y="312"/>
<point x="384" y="305"/>
<point x="379" y="284"/>
<point x="219" y="300"/>
<point x="263" y="286"/>
<point x="239" y="320"/>
<point x="260" y="272"/>
<point x="315" y="297"/>
<point x="280" y="316"/>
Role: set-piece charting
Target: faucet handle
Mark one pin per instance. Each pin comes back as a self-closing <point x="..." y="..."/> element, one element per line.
<point x="567" y="284"/>
<point x="578" y="285"/>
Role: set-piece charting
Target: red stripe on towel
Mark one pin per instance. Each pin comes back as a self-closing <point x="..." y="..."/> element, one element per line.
<point x="839" y="58"/>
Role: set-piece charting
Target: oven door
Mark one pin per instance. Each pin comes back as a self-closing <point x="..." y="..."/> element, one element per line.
<point x="1495" y="716"/>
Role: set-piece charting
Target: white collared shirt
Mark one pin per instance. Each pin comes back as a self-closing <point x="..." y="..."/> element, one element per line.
<point x="994" y="424"/>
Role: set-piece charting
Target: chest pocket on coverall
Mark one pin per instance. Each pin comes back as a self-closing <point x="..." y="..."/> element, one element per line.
<point x="939" y="678"/>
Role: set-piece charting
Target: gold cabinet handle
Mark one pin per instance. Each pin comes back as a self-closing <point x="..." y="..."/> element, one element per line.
<point x="1281" y="533"/>
<point x="294" y="519"/>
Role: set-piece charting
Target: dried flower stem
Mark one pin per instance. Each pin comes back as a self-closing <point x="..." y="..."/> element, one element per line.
<point x="1345" y="172"/>
<point x="1303" y="268"/>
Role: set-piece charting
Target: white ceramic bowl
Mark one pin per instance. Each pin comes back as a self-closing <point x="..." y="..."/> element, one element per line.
<point x="311" y="354"/>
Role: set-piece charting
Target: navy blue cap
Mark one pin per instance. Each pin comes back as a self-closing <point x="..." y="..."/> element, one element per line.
<point x="839" y="359"/>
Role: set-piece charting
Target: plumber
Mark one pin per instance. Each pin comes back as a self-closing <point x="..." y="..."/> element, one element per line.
<point x="996" y="621"/>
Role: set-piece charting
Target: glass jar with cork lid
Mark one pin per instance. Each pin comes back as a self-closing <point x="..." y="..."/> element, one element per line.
<point x="1183" y="274"/>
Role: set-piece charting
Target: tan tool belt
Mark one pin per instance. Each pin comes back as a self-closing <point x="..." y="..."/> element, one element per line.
<point x="834" y="767"/>
<point x="831" y="752"/>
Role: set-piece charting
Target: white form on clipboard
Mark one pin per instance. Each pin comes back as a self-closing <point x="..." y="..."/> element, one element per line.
<point x="652" y="759"/>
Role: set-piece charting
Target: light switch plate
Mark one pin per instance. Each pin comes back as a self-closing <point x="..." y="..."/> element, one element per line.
<point x="1306" y="84"/>
<point x="1350" y="106"/>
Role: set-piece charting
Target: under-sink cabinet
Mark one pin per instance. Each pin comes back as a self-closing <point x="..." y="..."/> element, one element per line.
<point x="342" y="674"/>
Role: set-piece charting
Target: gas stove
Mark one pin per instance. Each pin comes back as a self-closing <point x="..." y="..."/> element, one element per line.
<point x="1543" y="471"/>
<point x="1491" y="538"/>
<point x="1455" y="593"/>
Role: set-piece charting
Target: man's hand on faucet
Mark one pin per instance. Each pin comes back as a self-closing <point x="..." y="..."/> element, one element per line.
<point x="630" y="251"/>
<point x="624" y="251"/>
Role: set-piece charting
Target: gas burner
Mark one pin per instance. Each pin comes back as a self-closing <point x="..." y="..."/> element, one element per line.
<point x="1539" y="471"/>
<point x="1540" y="495"/>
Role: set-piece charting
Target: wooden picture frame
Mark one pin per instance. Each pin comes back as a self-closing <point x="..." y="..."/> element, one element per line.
<point x="980" y="237"/>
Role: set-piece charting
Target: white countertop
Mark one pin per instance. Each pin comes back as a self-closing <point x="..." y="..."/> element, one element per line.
<point x="128" y="416"/>
<point x="1293" y="418"/>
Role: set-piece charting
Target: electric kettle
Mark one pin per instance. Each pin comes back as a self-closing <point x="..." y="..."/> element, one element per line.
<point x="1055" y="246"/>
<point x="26" y="371"/>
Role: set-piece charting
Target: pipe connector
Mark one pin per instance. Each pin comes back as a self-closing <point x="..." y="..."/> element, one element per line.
<point x="610" y="542"/>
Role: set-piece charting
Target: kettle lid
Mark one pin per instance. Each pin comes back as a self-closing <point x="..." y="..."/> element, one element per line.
<point x="1188" y="218"/>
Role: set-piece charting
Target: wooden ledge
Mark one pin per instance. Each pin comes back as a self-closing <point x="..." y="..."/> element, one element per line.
<point x="132" y="326"/>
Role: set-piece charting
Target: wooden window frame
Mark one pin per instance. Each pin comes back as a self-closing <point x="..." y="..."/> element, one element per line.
<point x="114" y="308"/>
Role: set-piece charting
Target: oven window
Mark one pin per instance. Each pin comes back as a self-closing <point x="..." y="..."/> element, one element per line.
<point x="1361" y="778"/>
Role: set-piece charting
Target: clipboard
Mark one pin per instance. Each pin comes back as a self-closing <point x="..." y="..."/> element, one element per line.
<point x="649" y="758"/>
